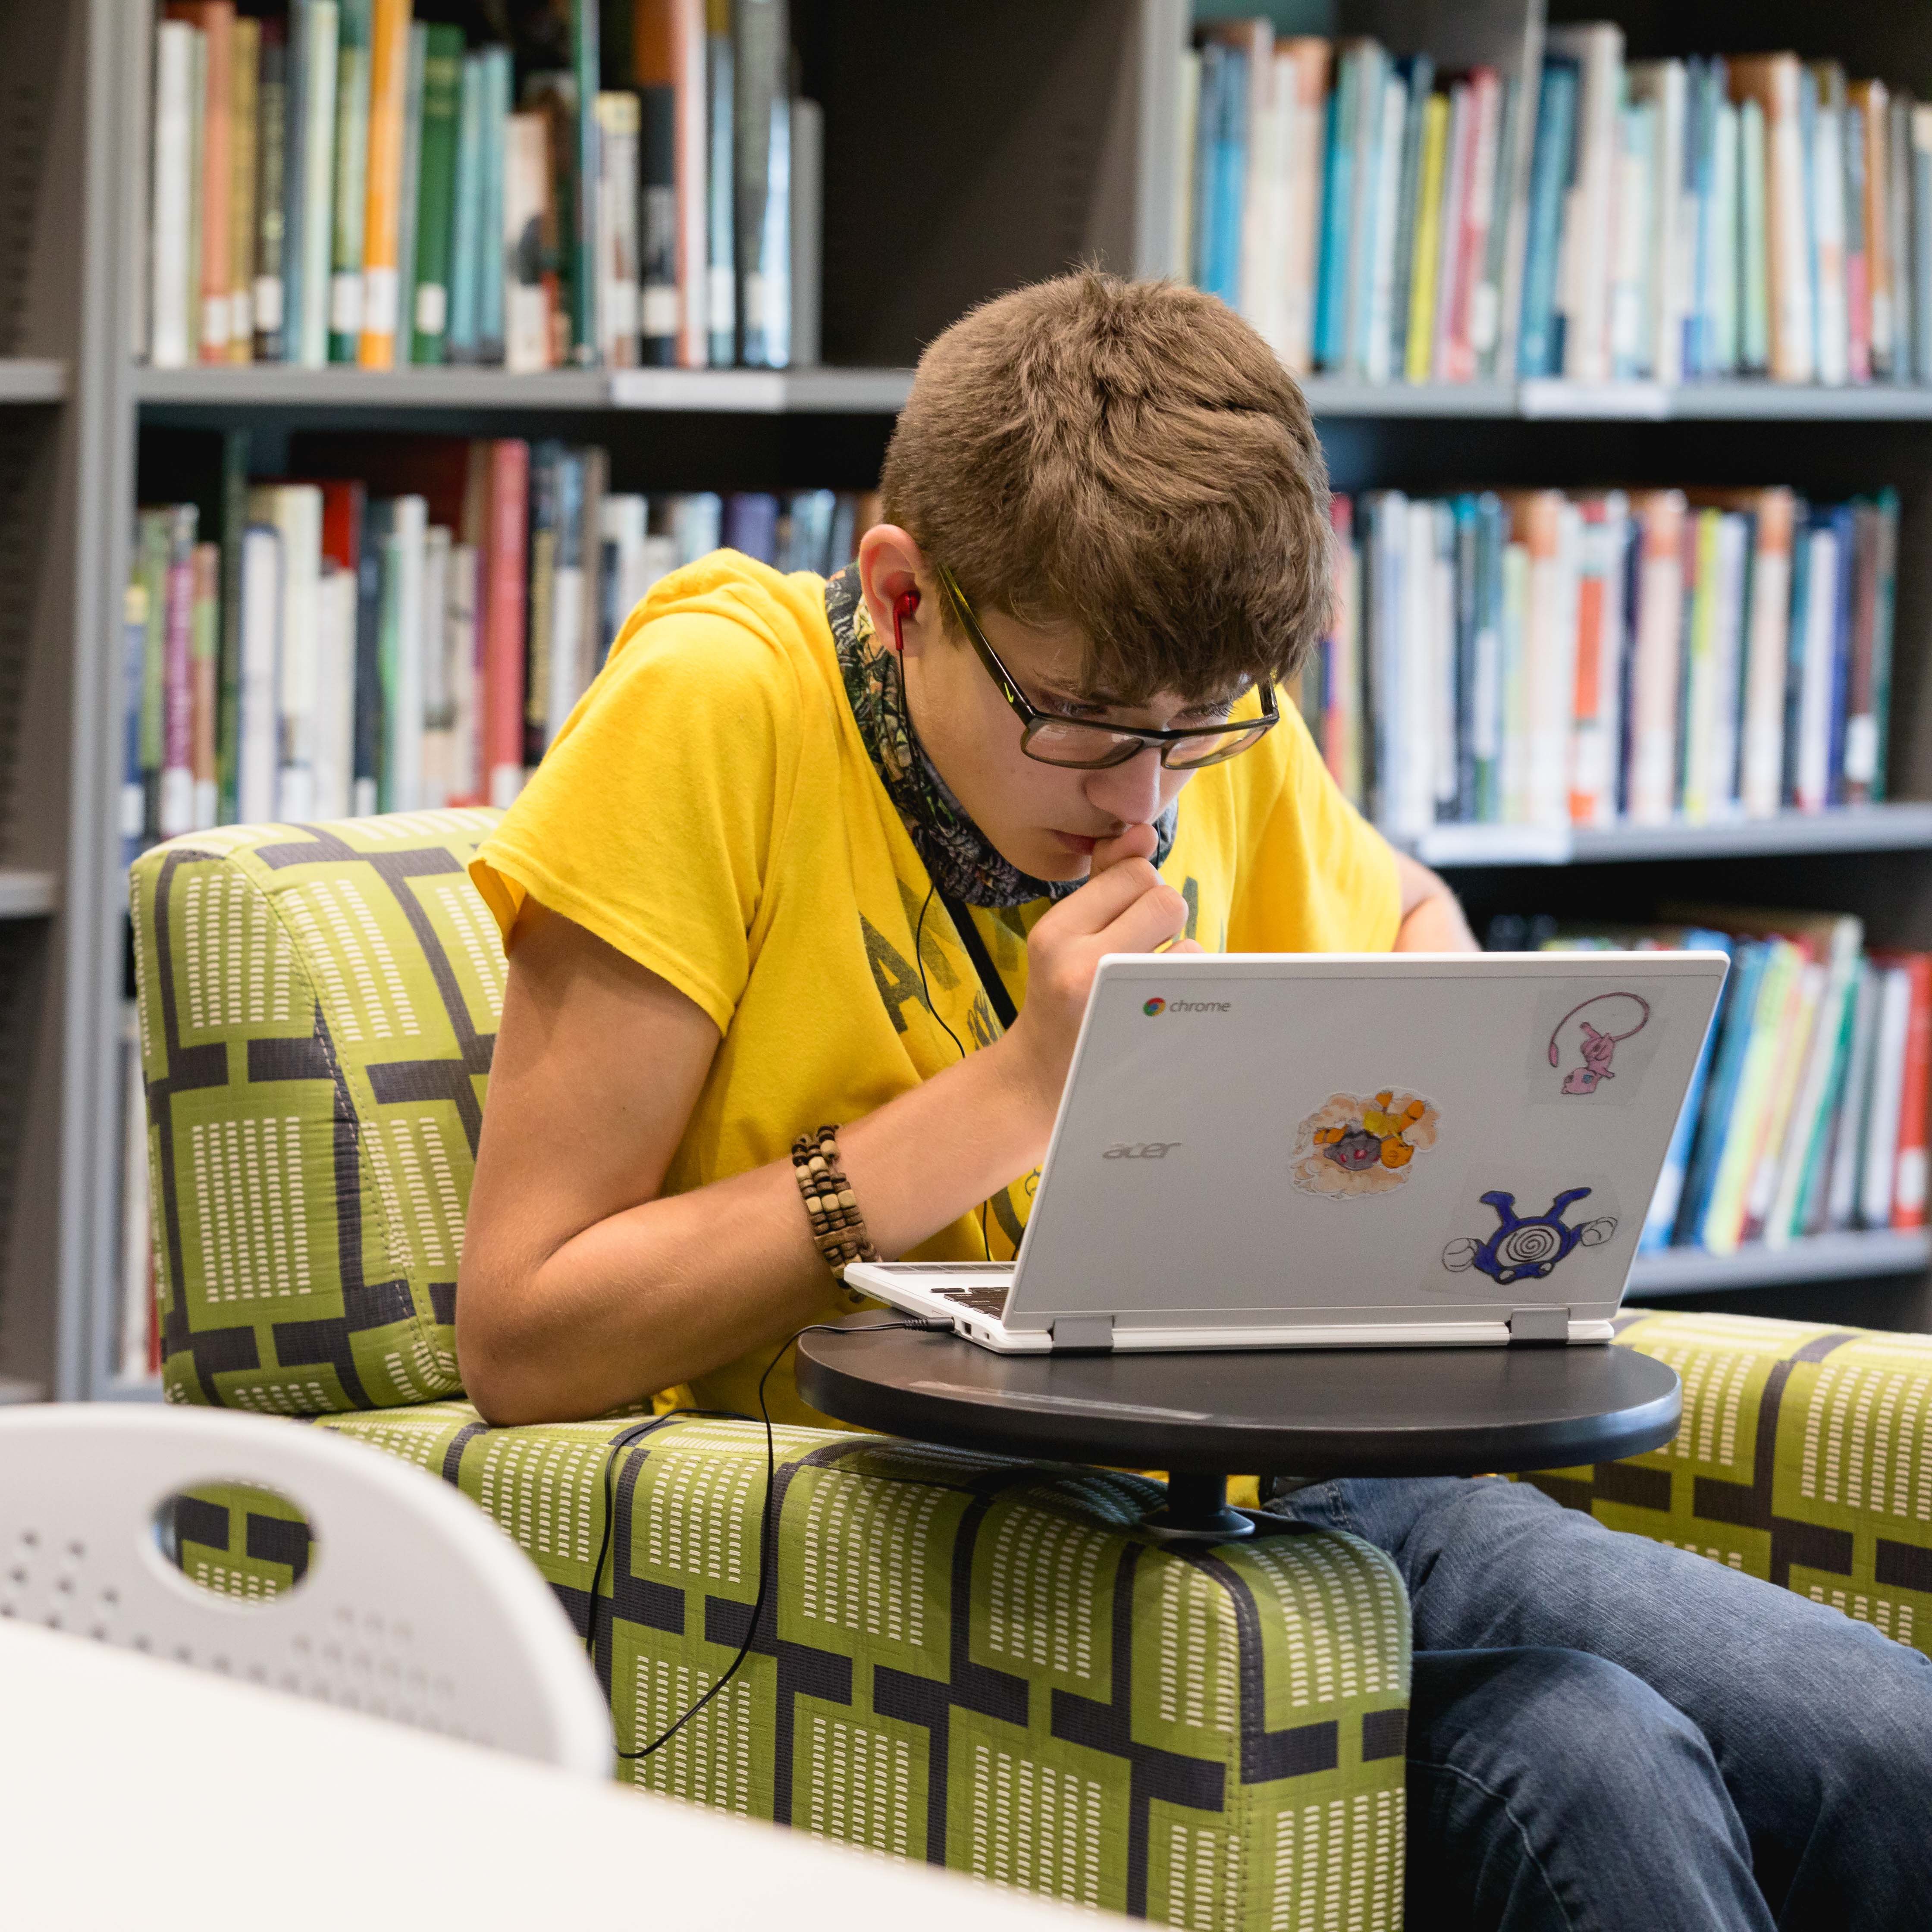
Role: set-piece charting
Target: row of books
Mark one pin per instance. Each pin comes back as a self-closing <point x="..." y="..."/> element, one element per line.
<point x="1647" y="656"/>
<point x="1612" y="219"/>
<point x="313" y="651"/>
<point x="1808" y="1111"/>
<point x="334" y="180"/>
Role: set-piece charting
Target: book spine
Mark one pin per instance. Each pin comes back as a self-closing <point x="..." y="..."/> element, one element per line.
<point x="320" y="115"/>
<point x="528" y="339"/>
<point x="204" y="683"/>
<point x="461" y="637"/>
<point x="409" y="205"/>
<point x="216" y="20"/>
<point x="402" y="656"/>
<point x="272" y="138"/>
<point x="493" y="271"/>
<point x="172" y="295"/>
<point x="808" y="231"/>
<point x="467" y="252"/>
<point x="1420" y="337"/>
<point x="580" y="245"/>
<point x="197" y="133"/>
<point x="156" y="540"/>
<point x="502" y="705"/>
<point x="255" y="726"/>
<point x="1858" y="259"/>
<point x="177" y="793"/>
<point x="1910" y="1162"/>
<point x="1419" y="81"/>
<point x="448" y="97"/>
<point x="354" y="32"/>
<point x="618" y="122"/>
<point x="1539" y="348"/>
<point x="1859" y="761"/>
<point x="547" y="463"/>
<point x="388" y="57"/>
<point x="132" y="817"/>
<point x="1338" y="193"/>
<point x="1883" y="627"/>
<point x="689" y="45"/>
<point x="720" y="244"/>
<point x="1472" y="244"/>
<point x="1753" y="304"/>
<point x="245" y="119"/>
<point x="1898" y="216"/>
<point x="365" y="670"/>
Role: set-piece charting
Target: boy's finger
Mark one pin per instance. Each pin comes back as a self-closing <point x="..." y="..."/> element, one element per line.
<point x="1101" y="901"/>
<point x="1137" y="841"/>
<point x="1155" y="917"/>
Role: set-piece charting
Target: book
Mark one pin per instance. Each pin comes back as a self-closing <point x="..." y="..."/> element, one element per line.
<point x="213" y="21"/>
<point x="1878" y="1160"/>
<point x="761" y="177"/>
<point x="690" y="41"/>
<point x="174" y="276"/>
<point x="1552" y="176"/>
<point x="504" y="493"/>
<point x="258" y="722"/>
<point x="294" y="510"/>
<point x="808" y="240"/>
<point x="378" y="308"/>
<point x="720" y="314"/>
<point x="428" y="309"/>
<point x="654" y="71"/>
<point x="1832" y="316"/>
<point x="321" y="48"/>
<point x="244" y="134"/>
<point x="581" y="241"/>
<point x="131" y="818"/>
<point x="272" y="152"/>
<point x="1910" y="1157"/>
<point x="354" y="29"/>
<point x="529" y="232"/>
<point x="1582" y="294"/>
<point x="616" y="250"/>
<point x="408" y="208"/>
<point x="1302" y="68"/>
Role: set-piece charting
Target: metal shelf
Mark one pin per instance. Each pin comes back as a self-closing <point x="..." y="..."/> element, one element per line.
<point x="1542" y="400"/>
<point x="1818" y="1258"/>
<point x="734" y="391"/>
<point x="32" y="379"/>
<point x="1905" y="826"/>
<point x="25" y="895"/>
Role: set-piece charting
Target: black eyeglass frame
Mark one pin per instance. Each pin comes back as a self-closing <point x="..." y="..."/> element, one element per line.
<point x="1032" y="720"/>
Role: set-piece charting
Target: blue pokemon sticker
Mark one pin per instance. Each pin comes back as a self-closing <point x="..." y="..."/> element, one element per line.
<point x="1526" y="1247"/>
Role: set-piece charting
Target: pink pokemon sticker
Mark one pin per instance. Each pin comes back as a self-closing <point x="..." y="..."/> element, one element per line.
<point x="1588" y="1036"/>
<point x="1356" y="1144"/>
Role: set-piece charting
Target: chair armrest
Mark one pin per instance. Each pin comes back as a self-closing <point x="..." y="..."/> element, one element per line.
<point x="1804" y="1457"/>
<point x="971" y="1661"/>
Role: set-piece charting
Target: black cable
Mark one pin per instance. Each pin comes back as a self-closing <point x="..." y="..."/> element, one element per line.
<point x="919" y="953"/>
<point x="768" y="1544"/>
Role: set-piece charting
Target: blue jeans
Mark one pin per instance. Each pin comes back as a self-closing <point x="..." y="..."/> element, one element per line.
<point x="1605" y="1734"/>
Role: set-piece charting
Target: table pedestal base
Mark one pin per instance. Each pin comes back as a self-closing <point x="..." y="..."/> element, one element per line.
<point x="1197" y="1511"/>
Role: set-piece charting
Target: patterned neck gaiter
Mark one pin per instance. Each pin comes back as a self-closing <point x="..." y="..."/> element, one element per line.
<point x="960" y="857"/>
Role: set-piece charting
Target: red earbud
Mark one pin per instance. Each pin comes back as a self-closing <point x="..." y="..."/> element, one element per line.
<point x="907" y="604"/>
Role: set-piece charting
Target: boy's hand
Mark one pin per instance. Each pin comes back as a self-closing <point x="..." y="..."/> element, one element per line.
<point x="1123" y="907"/>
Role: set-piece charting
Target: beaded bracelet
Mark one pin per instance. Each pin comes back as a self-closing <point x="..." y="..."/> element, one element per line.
<point x="837" y="1228"/>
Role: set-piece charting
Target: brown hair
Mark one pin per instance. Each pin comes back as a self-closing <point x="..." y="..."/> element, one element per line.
<point x="1129" y="458"/>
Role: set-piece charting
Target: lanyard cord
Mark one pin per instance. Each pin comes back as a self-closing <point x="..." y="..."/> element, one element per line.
<point x="994" y="987"/>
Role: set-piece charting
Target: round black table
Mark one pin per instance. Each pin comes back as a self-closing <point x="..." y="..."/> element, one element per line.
<point x="1203" y="1415"/>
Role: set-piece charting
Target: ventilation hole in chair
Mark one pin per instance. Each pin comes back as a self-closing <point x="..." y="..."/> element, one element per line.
<point x="236" y="1540"/>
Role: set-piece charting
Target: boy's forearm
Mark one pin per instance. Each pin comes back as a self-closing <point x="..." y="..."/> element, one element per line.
<point x="1432" y="915"/>
<point x="676" y="1287"/>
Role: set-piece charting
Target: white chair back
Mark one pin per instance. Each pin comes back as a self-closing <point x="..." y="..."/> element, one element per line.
<point x="416" y="1607"/>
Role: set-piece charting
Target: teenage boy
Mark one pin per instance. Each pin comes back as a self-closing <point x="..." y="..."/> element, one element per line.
<point x="1049" y="690"/>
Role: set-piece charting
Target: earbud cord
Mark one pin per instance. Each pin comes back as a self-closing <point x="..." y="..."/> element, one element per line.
<point x="768" y="1542"/>
<point x="919" y="953"/>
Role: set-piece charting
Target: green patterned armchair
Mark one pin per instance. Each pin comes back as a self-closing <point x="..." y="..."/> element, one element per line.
<point x="970" y="1661"/>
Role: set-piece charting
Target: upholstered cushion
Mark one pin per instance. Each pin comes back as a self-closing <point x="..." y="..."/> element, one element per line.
<point x="1805" y="1457"/>
<point x="318" y="1004"/>
<point x="971" y="1661"/>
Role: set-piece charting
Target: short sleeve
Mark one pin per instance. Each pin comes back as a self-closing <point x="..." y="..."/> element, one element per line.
<point x="650" y="820"/>
<point x="1320" y="878"/>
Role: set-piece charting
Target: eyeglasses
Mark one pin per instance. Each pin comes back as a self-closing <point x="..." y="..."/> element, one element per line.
<point x="1067" y="741"/>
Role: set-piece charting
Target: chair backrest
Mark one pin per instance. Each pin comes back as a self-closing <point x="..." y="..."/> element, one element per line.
<point x="416" y="1607"/>
<point x="318" y="1005"/>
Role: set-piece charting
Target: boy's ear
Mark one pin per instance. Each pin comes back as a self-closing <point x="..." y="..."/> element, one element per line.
<point x="891" y="565"/>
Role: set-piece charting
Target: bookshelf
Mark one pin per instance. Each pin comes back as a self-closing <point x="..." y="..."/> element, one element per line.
<point x="1044" y="136"/>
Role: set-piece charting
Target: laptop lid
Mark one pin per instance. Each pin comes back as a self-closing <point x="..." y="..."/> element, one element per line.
<point x="1294" y="1140"/>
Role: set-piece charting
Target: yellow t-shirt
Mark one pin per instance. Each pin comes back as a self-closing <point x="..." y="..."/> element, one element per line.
<point x="710" y="810"/>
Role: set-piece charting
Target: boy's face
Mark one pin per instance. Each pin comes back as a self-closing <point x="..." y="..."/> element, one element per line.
<point x="1046" y="819"/>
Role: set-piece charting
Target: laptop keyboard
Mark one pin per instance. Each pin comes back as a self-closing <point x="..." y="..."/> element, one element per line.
<point x="982" y="1300"/>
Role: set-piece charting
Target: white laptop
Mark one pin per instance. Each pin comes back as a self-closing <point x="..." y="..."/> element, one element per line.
<point x="1297" y="1150"/>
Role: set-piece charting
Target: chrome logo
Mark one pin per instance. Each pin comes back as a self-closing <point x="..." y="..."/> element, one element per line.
<point x="1154" y="1006"/>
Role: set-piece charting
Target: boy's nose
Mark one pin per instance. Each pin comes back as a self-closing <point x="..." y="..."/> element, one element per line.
<point x="1130" y="792"/>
